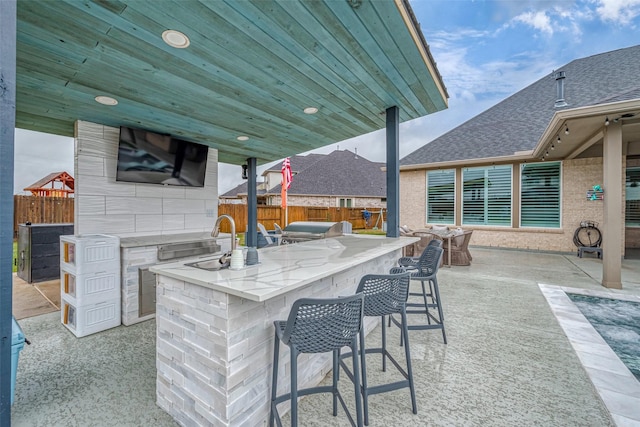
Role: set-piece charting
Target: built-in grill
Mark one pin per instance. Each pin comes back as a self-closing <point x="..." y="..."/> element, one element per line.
<point x="303" y="231"/>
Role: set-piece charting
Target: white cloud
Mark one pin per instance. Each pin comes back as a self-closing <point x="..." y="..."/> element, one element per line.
<point x="550" y="19"/>
<point x="538" y="20"/>
<point x="440" y="38"/>
<point x="460" y="77"/>
<point x="622" y="12"/>
<point x="571" y="21"/>
<point x="468" y="81"/>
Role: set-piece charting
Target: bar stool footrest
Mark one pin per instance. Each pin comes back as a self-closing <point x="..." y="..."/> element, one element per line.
<point x="436" y="325"/>
<point x="309" y="391"/>
<point x="378" y="350"/>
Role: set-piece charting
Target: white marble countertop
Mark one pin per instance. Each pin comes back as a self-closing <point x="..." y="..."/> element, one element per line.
<point x="287" y="267"/>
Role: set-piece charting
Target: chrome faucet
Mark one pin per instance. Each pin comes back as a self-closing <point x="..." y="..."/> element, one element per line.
<point x="216" y="229"/>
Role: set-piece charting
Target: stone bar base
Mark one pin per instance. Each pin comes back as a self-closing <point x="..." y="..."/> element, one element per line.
<point x="215" y="350"/>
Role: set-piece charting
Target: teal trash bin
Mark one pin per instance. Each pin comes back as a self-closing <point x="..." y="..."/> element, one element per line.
<point x="17" y="343"/>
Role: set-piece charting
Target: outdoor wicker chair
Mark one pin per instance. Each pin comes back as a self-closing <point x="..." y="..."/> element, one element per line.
<point x="460" y="254"/>
<point x="318" y="326"/>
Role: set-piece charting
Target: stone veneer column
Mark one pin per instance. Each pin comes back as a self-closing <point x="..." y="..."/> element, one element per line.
<point x="215" y="350"/>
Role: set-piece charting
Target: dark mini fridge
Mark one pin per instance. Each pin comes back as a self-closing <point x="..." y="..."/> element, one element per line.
<point x="39" y="251"/>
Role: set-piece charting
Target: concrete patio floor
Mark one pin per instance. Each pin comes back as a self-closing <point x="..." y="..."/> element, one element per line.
<point x="508" y="360"/>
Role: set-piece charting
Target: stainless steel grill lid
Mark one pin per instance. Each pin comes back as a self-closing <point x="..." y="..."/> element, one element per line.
<point x="314" y="227"/>
<point x="310" y="230"/>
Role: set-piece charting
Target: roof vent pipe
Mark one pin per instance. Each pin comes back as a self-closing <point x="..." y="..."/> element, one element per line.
<point x="560" y="102"/>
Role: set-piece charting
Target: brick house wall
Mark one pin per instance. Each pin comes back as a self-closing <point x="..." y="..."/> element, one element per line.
<point x="578" y="176"/>
<point x="413" y="198"/>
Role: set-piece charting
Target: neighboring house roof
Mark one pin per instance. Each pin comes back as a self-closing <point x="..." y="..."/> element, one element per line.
<point x="237" y="191"/>
<point x="340" y="173"/>
<point x="240" y="189"/>
<point x="301" y="163"/>
<point x="517" y="123"/>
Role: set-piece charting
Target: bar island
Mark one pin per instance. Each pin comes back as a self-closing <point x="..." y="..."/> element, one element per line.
<point x="214" y="345"/>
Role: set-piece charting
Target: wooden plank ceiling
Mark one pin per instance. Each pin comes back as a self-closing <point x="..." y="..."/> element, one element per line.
<point x="250" y="69"/>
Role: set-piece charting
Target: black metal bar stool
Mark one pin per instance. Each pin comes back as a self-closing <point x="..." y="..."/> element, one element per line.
<point x="411" y="262"/>
<point x="318" y="326"/>
<point x="384" y="295"/>
<point x="426" y="270"/>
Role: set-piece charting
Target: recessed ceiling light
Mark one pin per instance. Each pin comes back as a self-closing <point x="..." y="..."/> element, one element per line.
<point x="310" y="110"/>
<point x="242" y="138"/>
<point x="106" y="100"/>
<point x="175" y="39"/>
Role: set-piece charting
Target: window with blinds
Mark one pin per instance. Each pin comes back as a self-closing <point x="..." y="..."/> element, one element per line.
<point x="632" y="198"/>
<point x="486" y="196"/>
<point x="441" y="196"/>
<point x="540" y="195"/>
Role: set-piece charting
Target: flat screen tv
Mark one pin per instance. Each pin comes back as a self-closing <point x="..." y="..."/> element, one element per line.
<point x="153" y="158"/>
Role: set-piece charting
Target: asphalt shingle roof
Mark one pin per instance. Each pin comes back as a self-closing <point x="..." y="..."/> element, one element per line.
<point x="340" y="173"/>
<point x="517" y="123"/>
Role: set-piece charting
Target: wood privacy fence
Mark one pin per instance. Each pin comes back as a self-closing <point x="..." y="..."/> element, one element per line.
<point x="268" y="215"/>
<point x="41" y="210"/>
<point x="57" y="210"/>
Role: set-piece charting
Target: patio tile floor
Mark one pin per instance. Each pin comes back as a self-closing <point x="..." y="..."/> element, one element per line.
<point x="508" y="361"/>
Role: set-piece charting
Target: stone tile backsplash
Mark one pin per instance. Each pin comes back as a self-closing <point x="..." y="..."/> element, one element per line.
<point x="105" y="206"/>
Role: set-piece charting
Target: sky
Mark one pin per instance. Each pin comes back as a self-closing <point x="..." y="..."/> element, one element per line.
<point x="484" y="50"/>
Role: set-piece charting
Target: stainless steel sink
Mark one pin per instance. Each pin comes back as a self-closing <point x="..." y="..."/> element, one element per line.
<point x="186" y="249"/>
<point x="212" y="264"/>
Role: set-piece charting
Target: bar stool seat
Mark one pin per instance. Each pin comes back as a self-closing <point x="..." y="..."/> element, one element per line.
<point x="384" y="295"/>
<point x="318" y="326"/>
<point x="426" y="270"/>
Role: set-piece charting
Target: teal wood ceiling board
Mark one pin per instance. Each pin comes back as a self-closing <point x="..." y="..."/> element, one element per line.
<point x="75" y="94"/>
<point x="267" y="61"/>
<point x="338" y="69"/>
<point x="407" y="54"/>
<point x="44" y="124"/>
<point x="373" y="55"/>
<point x="226" y="84"/>
<point x="250" y="69"/>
